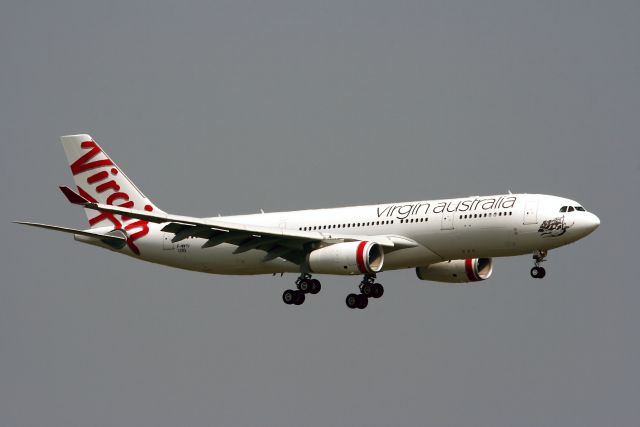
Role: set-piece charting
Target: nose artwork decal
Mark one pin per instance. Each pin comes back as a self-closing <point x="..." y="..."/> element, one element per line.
<point x="553" y="227"/>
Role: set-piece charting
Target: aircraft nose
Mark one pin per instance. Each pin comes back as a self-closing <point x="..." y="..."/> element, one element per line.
<point x="591" y="222"/>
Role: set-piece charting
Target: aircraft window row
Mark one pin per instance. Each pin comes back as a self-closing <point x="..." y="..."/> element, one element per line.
<point x="354" y="224"/>
<point x="407" y="220"/>
<point x="571" y="209"/>
<point x="486" y="215"/>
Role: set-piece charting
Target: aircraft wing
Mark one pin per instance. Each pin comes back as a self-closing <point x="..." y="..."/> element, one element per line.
<point x="276" y="242"/>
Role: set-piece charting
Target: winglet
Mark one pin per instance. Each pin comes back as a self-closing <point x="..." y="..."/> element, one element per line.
<point x="73" y="197"/>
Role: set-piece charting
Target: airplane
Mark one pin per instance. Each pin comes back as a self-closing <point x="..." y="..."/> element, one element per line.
<point x="448" y="241"/>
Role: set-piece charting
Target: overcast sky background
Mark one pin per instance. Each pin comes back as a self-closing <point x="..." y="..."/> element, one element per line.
<point x="233" y="106"/>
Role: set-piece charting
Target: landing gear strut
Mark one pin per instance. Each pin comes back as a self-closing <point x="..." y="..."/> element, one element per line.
<point x="305" y="285"/>
<point x="368" y="289"/>
<point x="538" y="272"/>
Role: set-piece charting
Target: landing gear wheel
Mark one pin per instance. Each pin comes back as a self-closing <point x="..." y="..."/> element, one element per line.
<point x="367" y="289"/>
<point x="304" y="285"/>
<point x="378" y="290"/>
<point x="352" y="301"/>
<point x="539" y="256"/>
<point x="538" y="272"/>
<point x="363" y="302"/>
<point x="299" y="298"/>
<point x="288" y="296"/>
<point x="315" y="286"/>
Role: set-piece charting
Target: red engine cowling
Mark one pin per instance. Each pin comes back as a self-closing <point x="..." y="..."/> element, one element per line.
<point x="457" y="270"/>
<point x="347" y="258"/>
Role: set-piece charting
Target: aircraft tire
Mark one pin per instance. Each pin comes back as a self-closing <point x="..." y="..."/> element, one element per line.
<point x="315" y="286"/>
<point x="378" y="290"/>
<point x="304" y="285"/>
<point x="538" y="272"/>
<point x="363" y="302"/>
<point x="299" y="298"/>
<point x="367" y="289"/>
<point x="288" y="296"/>
<point x="352" y="301"/>
<point x="543" y="273"/>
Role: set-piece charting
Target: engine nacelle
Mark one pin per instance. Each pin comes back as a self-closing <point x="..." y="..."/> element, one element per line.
<point x="347" y="258"/>
<point x="457" y="270"/>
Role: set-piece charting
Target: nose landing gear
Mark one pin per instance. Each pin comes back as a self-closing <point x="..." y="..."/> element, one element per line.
<point x="305" y="285"/>
<point x="368" y="289"/>
<point x="538" y="272"/>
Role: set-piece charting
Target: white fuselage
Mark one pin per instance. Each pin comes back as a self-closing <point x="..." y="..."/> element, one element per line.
<point x="470" y="227"/>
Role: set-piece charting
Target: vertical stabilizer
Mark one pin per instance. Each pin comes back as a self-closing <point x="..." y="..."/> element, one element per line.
<point x="100" y="180"/>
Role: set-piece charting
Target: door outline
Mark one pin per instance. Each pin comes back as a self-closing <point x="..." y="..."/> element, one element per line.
<point x="167" y="244"/>
<point x="530" y="212"/>
<point x="447" y="221"/>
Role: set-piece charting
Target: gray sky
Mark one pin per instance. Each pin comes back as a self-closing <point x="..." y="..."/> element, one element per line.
<point x="239" y="105"/>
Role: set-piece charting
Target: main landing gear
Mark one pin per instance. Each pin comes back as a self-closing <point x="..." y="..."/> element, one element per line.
<point x="368" y="289"/>
<point x="305" y="285"/>
<point x="538" y="272"/>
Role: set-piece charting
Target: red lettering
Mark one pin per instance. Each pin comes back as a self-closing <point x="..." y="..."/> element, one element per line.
<point x="83" y="164"/>
<point x="110" y="184"/>
<point x="97" y="177"/>
<point x="144" y="230"/>
<point x="118" y="195"/>
<point x="127" y="205"/>
<point x="102" y="215"/>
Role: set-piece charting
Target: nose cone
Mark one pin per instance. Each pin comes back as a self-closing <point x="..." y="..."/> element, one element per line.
<point x="591" y="222"/>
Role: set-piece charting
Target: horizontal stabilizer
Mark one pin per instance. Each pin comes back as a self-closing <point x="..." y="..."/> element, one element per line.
<point x="72" y="196"/>
<point x="112" y="240"/>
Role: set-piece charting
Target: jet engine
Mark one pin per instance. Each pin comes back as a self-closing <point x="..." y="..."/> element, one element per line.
<point x="457" y="270"/>
<point x="347" y="258"/>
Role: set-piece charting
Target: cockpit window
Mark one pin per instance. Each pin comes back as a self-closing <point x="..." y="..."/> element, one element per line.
<point x="580" y="208"/>
<point x="570" y="209"/>
<point x="563" y="209"/>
